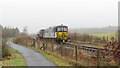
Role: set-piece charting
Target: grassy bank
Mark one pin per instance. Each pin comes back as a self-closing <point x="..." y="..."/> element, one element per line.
<point x="56" y="60"/>
<point x="15" y="59"/>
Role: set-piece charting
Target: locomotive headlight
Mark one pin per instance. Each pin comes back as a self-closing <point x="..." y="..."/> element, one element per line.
<point x="59" y="34"/>
<point x="66" y="34"/>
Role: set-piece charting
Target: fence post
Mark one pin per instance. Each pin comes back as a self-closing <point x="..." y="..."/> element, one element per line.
<point x="33" y="43"/>
<point x="119" y="46"/>
<point x="36" y="44"/>
<point x="44" y="46"/>
<point x="98" y="58"/>
<point x="76" y="52"/>
<point x="107" y="38"/>
<point x="52" y="45"/>
<point x="61" y="48"/>
<point x="103" y="39"/>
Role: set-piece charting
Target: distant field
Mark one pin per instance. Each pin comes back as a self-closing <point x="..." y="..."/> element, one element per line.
<point x="109" y="35"/>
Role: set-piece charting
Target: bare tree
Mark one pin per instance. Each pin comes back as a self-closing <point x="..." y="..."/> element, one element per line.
<point x="25" y="30"/>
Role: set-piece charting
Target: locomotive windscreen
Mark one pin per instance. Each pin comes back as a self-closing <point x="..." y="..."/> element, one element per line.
<point x="62" y="29"/>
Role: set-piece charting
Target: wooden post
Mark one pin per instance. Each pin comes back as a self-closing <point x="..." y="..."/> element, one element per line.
<point x="38" y="43"/>
<point x="76" y="52"/>
<point x="119" y="32"/>
<point x="107" y="38"/>
<point x="119" y="44"/>
<point x="44" y="46"/>
<point x="33" y="43"/>
<point x="98" y="58"/>
<point x="52" y="45"/>
<point x="61" y="49"/>
<point x="103" y="39"/>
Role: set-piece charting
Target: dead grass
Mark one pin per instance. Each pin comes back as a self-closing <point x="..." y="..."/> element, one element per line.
<point x="84" y="58"/>
<point x="15" y="59"/>
<point x="86" y="43"/>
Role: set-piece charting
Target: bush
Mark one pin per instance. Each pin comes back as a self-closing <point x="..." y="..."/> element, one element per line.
<point x="5" y="52"/>
<point x="23" y="40"/>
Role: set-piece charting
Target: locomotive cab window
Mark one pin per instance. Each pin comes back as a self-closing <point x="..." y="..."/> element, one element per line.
<point x="59" y="29"/>
<point x="62" y="29"/>
<point x="65" y="29"/>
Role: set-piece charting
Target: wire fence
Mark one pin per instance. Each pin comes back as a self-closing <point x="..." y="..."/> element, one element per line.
<point x="75" y="54"/>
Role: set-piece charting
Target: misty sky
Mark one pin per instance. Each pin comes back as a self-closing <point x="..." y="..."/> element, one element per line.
<point x="37" y="14"/>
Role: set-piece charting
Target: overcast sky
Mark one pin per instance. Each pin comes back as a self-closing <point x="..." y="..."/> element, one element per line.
<point x="37" y="14"/>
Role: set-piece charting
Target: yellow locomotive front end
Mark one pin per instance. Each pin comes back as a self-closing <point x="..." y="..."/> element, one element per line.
<point x="62" y="33"/>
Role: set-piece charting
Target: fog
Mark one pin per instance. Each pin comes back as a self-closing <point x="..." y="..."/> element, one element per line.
<point x="37" y="14"/>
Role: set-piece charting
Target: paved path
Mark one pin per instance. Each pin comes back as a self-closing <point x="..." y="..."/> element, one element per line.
<point x="32" y="58"/>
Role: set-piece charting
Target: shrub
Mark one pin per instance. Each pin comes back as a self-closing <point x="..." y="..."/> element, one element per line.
<point x="5" y="52"/>
<point x="23" y="40"/>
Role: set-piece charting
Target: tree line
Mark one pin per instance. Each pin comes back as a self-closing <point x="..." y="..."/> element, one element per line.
<point x="7" y="32"/>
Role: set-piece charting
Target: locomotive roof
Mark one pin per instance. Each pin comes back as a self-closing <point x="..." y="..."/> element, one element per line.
<point x="54" y="27"/>
<point x="41" y="29"/>
<point x="61" y="25"/>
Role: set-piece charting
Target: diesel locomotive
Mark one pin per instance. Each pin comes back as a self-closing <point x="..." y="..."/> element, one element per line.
<point x="59" y="33"/>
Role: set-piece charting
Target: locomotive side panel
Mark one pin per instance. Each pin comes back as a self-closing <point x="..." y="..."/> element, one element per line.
<point x="49" y="33"/>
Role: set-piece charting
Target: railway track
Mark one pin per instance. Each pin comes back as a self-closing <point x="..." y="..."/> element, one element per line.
<point x="83" y="47"/>
<point x="91" y="50"/>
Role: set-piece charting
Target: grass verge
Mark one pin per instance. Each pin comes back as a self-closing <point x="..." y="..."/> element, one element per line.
<point x="56" y="60"/>
<point x="15" y="60"/>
